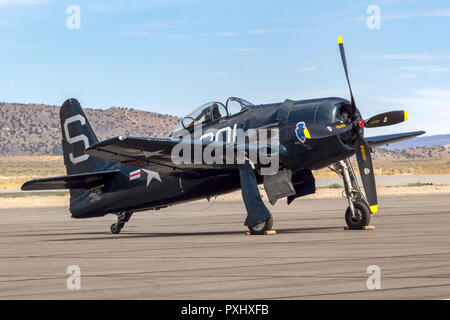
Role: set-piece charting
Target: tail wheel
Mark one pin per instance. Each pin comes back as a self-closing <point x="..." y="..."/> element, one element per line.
<point x="261" y="227"/>
<point x="116" y="228"/>
<point x="360" y="219"/>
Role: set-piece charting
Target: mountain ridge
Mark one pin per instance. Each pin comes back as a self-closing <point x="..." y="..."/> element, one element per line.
<point x="427" y="141"/>
<point x="35" y="129"/>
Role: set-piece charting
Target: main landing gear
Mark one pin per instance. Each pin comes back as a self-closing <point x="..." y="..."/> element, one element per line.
<point x="122" y="218"/>
<point x="261" y="227"/>
<point x="357" y="215"/>
<point x="259" y="218"/>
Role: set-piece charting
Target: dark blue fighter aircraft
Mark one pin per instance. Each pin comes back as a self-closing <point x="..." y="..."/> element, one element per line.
<point x="123" y="175"/>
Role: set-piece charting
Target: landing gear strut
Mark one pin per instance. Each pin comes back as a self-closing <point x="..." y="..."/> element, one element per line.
<point x="358" y="213"/>
<point x="122" y="218"/>
<point x="259" y="218"/>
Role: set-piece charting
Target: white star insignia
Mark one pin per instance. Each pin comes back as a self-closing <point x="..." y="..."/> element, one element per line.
<point x="152" y="175"/>
<point x="148" y="154"/>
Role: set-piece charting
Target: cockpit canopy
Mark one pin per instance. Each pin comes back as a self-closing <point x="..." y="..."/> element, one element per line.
<point x="212" y="111"/>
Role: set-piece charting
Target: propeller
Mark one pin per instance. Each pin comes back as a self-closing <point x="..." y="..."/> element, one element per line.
<point x="355" y="126"/>
<point x="362" y="149"/>
<point x="317" y="131"/>
<point x="344" y="62"/>
<point x="386" y="119"/>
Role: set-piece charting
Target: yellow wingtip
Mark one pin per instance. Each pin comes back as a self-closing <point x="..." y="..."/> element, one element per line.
<point x="406" y="115"/>
<point x="374" y="209"/>
<point x="340" y="40"/>
<point x="306" y="132"/>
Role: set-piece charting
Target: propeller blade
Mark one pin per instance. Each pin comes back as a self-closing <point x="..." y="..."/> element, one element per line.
<point x="386" y="119"/>
<point x="332" y="129"/>
<point x="366" y="172"/>
<point x="344" y="62"/>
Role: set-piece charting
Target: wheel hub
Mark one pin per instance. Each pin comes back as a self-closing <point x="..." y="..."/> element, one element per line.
<point x="357" y="216"/>
<point x="259" y="226"/>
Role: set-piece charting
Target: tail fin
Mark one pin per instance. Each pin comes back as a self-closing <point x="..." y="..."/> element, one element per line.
<point x="78" y="135"/>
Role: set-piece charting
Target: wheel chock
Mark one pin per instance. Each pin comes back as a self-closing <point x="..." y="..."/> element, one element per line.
<point x="363" y="228"/>
<point x="266" y="233"/>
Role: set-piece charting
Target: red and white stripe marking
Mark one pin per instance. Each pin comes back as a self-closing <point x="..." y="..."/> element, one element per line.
<point x="135" y="175"/>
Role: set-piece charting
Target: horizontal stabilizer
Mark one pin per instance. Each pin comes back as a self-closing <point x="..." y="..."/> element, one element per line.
<point x="391" y="138"/>
<point x="74" y="181"/>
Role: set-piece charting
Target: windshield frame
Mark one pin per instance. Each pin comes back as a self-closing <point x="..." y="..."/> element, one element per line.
<point x="244" y="103"/>
<point x="199" y="111"/>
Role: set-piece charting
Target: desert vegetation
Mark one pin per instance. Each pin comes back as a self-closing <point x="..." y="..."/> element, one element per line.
<point x="14" y="171"/>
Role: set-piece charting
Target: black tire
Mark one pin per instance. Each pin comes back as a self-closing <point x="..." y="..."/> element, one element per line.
<point x="115" y="228"/>
<point x="261" y="227"/>
<point x="361" y="219"/>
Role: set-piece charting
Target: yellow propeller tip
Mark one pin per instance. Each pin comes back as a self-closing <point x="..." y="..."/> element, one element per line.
<point x="340" y="40"/>
<point x="306" y="132"/>
<point x="374" y="209"/>
<point x="406" y="115"/>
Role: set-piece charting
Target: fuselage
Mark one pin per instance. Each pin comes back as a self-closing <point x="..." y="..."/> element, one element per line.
<point x="148" y="191"/>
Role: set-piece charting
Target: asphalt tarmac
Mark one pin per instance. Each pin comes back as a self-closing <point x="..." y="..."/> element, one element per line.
<point x="200" y="251"/>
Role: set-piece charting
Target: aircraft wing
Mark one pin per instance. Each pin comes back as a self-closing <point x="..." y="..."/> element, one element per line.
<point x="391" y="138"/>
<point x="75" y="181"/>
<point x="156" y="153"/>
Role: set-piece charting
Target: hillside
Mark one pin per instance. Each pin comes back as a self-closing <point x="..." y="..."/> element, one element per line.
<point x="34" y="129"/>
<point x="430" y="141"/>
<point x="442" y="152"/>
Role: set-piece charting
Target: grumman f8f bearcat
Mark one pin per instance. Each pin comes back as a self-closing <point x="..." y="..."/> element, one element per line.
<point x="123" y="175"/>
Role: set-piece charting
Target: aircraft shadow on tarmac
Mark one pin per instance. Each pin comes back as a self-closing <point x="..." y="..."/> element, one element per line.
<point x="132" y="235"/>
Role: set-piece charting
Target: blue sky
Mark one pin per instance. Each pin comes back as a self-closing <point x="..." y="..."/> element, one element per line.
<point x="169" y="56"/>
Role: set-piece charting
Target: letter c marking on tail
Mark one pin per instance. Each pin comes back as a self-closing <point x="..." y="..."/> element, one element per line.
<point x="80" y="137"/>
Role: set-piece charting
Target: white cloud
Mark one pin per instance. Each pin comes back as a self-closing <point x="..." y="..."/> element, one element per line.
<point x="180" y="37"/>
<point x="228" y="34"/>
<point x="408" y="76"/>
<point x="439" y="13"/>
<point x="138" y="34"/>
<point x="442" y="13"/>
<point x="400" y="16"/>
<point x="435" y="93"/>
<point x="279" y="20"/>
<point x="151" y="29"/>
<point x="307" y="69"/>
<point x="261" y="31"/>
<point x="428" y="109"/>
<point x="163" y="25"/>
<point x="424" y="68"/>
<point x="429" y="101"/>
<point x="213" y="74"/>
<point x="250" y="32"/>
<point x="408" y="56"/>
<point x="7" y="3"/>
<point x="249" y="50"/>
